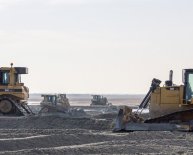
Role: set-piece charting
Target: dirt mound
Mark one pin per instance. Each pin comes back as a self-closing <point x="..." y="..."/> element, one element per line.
<point x="107" y="116"/>
<point x="54" y="122"/>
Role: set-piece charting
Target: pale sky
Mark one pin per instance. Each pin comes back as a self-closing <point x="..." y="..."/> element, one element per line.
<point x="96" y="46"/>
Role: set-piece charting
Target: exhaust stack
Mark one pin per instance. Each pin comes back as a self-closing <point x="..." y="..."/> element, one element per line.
<point x="171" y="76"/>
<point x="169" y="83"/>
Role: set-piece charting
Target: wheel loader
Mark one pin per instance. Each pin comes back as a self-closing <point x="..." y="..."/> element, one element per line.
<point x="170" y="107"/>
<point x="13" y="93"/>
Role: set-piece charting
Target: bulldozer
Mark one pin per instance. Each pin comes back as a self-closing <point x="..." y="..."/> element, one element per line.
<point x="170" y="107"/>
<point x="54" y="103"/>
<point x="13" y="93"/>
<point x="99" y="100"/>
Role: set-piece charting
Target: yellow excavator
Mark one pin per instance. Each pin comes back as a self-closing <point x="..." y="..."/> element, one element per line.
<point x="170" y="107"/>
<point x="13" y="93"/>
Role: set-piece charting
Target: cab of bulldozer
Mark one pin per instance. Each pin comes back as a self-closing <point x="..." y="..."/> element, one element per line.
<point x="11" y="76"/>
<point x="96" y="97"/>
<point x="49" y="99"/>
<point x="188" y="86"/>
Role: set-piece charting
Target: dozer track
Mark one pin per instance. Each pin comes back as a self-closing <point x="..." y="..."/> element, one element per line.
<point x="17" y="109"/>
<point x="52" y="108"/>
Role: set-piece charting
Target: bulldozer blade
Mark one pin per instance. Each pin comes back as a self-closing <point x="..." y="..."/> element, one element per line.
<point x="154" y="126"/>
<point x="119" y="122"/>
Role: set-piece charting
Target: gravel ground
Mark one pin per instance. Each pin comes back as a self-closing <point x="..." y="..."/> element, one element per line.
<point x="90" y="135"/>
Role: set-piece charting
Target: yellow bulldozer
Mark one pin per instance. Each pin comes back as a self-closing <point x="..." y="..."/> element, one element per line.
<point x="170" y="107"/>
<point x="99" y="100"/>
<point x="54" y="103"/>
<point x="13" y="93"/>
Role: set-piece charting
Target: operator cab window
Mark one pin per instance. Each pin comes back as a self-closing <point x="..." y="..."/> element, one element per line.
<point x="4" y="78"/>
<point x="17" y="78"/>
<point x="189" y="87"/>
<point x="52" y="99"/>
<point x="49" y="99"/>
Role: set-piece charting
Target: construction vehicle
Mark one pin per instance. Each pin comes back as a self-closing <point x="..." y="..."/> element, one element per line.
<point x="54" y="103"/>
<point x="13" y="93"/>
<point x="99" y="100"/>
<point x="170" y="107"/>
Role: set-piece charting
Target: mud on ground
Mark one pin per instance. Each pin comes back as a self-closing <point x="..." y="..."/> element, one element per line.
<point x="90" y="135"/>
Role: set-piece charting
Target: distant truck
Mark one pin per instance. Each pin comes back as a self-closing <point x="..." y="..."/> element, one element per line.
<point x="99" y="100"/>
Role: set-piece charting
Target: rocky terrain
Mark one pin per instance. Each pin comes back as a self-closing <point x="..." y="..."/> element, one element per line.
<point x="56" y="134"/>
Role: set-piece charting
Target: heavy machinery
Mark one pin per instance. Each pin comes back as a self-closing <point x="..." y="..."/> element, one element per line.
<point x="54" y="103"/>
<point x="170" y="107"/>
<point x="13" y="93"/>
<point x="99" y="100"/>
<point x="59" y="103"/>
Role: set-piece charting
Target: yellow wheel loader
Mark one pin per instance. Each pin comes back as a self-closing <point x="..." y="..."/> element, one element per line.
<point x="13" y="93"/>
<point x="170" y="107"/>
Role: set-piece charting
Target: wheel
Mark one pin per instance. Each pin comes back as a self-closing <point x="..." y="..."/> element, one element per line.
<point x="6" y="106"/>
